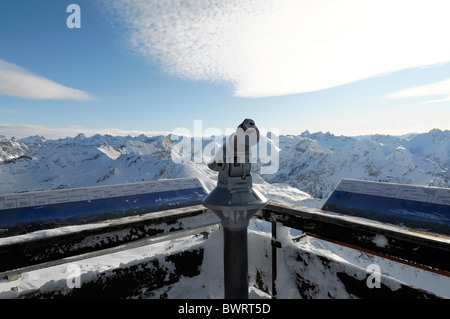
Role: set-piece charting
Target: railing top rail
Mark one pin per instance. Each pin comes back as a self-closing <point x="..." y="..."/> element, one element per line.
<point x="421" y="249"/>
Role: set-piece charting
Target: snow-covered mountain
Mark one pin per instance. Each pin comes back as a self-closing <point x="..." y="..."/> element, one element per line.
<point x="35" y="163"/>
<point x="309" y="164"/>
<point x="316" y="162"/>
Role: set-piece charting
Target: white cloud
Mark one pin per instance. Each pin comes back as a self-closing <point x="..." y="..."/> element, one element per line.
<point x="25" y="130"/>
<point x="279" y="47"/>
<point x="16" y="81"/>
<point x="437" y="89"/>
<point x="445" y="99"/>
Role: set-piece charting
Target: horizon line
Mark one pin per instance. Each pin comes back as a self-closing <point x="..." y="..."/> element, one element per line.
<point x="22" y="131"/>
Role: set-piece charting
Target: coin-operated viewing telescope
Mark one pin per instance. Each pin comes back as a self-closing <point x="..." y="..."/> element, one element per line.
<point x="235" y="202"/>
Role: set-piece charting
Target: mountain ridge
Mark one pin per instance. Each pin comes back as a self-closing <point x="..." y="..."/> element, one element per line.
<point x="310" y="164"/>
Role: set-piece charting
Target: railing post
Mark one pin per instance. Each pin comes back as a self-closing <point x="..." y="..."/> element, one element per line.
<point x="275" y="244"/>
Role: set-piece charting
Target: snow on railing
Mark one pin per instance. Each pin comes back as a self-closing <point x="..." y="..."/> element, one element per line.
<point x="311" y="273"/>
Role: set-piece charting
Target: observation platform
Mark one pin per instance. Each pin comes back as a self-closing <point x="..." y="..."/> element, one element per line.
<point x="174" y="250"/>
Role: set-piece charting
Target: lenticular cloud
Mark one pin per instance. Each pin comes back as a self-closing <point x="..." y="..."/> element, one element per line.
<point x="279" y="47"/>
<point x="18" y="82"/>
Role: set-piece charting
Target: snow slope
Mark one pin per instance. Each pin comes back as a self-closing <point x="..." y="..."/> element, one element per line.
<point x="34" y="163"/>
<point x="315" y="163"/>
<point x="310" y="165"/>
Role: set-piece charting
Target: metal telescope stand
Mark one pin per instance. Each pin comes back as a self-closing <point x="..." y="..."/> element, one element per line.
<point x="235" y="202"/>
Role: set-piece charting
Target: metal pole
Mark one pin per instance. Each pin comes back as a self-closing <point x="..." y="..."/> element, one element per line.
<point x="235" y="202"/>
<point x="274" y="260"/>
<point x="235" y="263"/>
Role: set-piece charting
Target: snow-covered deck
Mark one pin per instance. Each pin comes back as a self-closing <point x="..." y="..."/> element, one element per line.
<point x="294" y="252"/>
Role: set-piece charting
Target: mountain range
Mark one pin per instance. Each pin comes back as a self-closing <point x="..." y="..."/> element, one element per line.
<point x="310" y="164"/>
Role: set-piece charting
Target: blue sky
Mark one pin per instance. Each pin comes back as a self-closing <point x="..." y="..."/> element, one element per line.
<point x="348" y="67"/>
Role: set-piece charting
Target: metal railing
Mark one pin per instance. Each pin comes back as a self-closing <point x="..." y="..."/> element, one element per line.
<point x="427" y="251"/>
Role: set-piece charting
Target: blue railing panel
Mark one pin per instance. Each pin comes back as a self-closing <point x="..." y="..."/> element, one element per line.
<point x="420" y="207"/>
<point x="26" y="212"/>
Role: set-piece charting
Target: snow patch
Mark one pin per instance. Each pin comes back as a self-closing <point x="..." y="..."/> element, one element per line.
<point x="380" y="241"/>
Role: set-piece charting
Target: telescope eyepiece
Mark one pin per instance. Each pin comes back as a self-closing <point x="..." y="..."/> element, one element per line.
<point x="248" y="123"/>
<point x="237" y="149"/>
